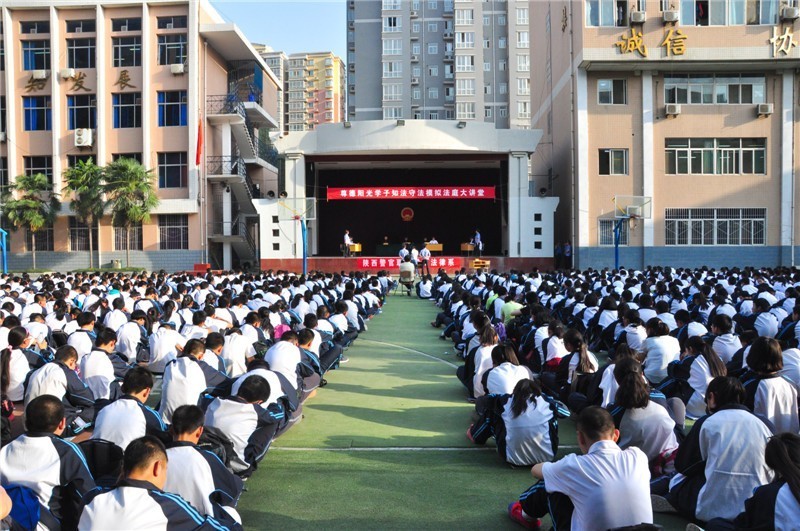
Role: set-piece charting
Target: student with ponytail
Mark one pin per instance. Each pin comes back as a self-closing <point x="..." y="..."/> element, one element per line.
<point x="690" y="376"/>
<point x="768" y="393"/>
<point x="575" y="370"/>
<point x="523" y="423"/>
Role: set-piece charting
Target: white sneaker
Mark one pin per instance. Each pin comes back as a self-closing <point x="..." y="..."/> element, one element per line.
<point x="693" y="527"/>
<point x="661" y="505"/>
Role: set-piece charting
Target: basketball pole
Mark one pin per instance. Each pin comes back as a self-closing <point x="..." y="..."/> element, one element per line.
<point x="617" y="230"/>
<point x="304" y="234"/>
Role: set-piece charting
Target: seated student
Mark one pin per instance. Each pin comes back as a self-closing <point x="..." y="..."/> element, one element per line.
<point x="198" y="328"/>
<point x="633" y="333"/>
<point x="725" y="344"/>
<point x="215" y="343"/>
<point x="22" y="360"/>
<point x="128" y="418"/>
<point x="737" y="366"/>
<point x="575" y="370"/>
<point x="425" y="287"/>
<point x="54" y="469"/>
<point x="196" y="475"/>
<point x="340" y="322"/>
<point x="132" y="336"/>
<point x="60" y="380"/>
<point x="553" y="347"/>
<point x="83" y="338"/>
<point x="524" y="424"/>
<point x="721" y="460"/>
<point x="660" y="349"/>
<point x="102" y="369"/>
<point x="642" y="421"/>
<point x="768" y="393"/>
<point x="237" y="351"/>
<point x="478" y="362"/>
<point x="284" y="357"/>
<point x="777" y="504"/>
<point x="407" y="270"/>
<point x="328" y="352"/>
<point x="138" y="501"/>
<point x="116" y="318"/>
<point x="690" y="376"/>
<point x="281" y="391"/>
<point x="188" y="378"/>
<point x="249" y="426"/>
<point x="310" y="367"/>
<point x="505" y="372"/>
<point x="585" y="491"/>
<point x="165" y="344"/>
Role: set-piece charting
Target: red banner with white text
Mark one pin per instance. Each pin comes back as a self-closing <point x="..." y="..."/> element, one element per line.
<point x="412" y="192"/>
<point x="434" y="262"/>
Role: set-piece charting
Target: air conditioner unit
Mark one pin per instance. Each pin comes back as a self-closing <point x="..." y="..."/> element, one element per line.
<point x="2" y="136"/>
<point x="170" y="25"/>
<point x="790" y="13"/>
<point x="673" y="109"/>
<point x="448" y="34"/>
<point x="39" y="74"/>
<point x="67" y="73"/>
<point x="414" y="14"/>
<point x="83" y="137"/>
<point x="79" y="30"/>
<point x="178" y="69"/>
<point x="33" y="31"/>
<point x="352" y="67"/>
<point x="765" y="109"/>
<point x="351" y="25"/>
<point x="638" y="17"/>
<point x="352" y="89"/>
<point x="124" y="28"/>
<point x="670" y="16"/>
<point x="415" y="81"/>
<point x="414" y="58"/>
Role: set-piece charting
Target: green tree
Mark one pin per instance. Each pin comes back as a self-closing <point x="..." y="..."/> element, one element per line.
<point x="85" y="181"/>
<point x="132" y="196"/>
<point x="31" y="204"/>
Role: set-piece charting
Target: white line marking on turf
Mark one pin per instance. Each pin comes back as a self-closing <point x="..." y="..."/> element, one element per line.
<point x="411" y="350"/>
<point x="398" y="449"/>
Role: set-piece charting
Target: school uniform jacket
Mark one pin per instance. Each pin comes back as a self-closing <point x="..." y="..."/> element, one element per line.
<point x="186" y="379"/>
<point x="695" y="371"/>
<point x="650" y="428"/>
<point x="531" y="437"/>
<point x="51" y="467"/>
<point x="727" y="449"/>
<point x="102" y="371"/>
<point x="127" y="419"/>
<point x="58" y="380"/>
<point x="772" y="506"/>
<point x="140" y="505"/>
<point x="775" y="398"/>
<point x="199" y="477"/>
<point x="250" y="428"/>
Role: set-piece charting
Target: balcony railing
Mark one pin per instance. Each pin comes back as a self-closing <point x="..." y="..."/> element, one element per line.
<point x="225" y="166"/>
<point x="234" y="228"/>
<point x="224" y="104"/>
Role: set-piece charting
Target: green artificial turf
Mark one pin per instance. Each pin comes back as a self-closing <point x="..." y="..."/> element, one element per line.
<point x="383" y="445"/>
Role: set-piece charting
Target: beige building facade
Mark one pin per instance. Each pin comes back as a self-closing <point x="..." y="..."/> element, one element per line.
<point x="689" y="103"/>
<point x="170" y="84"/>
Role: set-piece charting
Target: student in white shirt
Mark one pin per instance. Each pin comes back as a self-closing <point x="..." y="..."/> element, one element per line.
<point x="585" y="491"/>
<point x="726" y="344"/>
<point x="768" y="393"/>
<point x="660" y="349"/>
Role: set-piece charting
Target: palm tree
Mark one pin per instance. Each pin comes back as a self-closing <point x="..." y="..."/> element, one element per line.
<point x="132" y="196"/>
<point x="32" y="204"/>
<point x="85" y="181"/>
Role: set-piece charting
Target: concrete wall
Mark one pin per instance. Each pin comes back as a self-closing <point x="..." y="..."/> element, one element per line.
<point x="68" y="261"/>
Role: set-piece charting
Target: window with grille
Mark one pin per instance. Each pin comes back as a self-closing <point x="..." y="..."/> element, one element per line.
<point x="605" y="232"/>
<point x="36" y="55"/>
<point x="173" y="231"/>
<point x="79" y="235"/>
<point x="172" y="49"/>
<point x="127" y="51"/>
<point x="33" y="27"/>
<point x="172" y="22"/>
<point x="82" y="111"/>
<point x="121" y="238"/>
<point x="34" y="165"/>
<point x="126" y="24"/>
<point x="2" y="114"/>
<point x="81" y="26"/>
<point x="613" y="162"/>
<point x="172" y="170"/>
<point x="127" y="110"/>
<point x="715" y="226"/>
<point x="3" y="173"/>
<point x="172" y="108"/>
<point x="716" y="156"/>
<point x="44" y="239"/>
<point x="80" y="53"/>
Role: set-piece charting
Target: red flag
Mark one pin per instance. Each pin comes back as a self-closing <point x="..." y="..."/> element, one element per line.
<point x="199" y="156"/>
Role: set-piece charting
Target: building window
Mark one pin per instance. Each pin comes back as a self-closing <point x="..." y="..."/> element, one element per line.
<point x="433" y="93"/>
<point x="416" y="94"/>
<point x="523" y="63"/>
<point x="502" y="112"/>
<point x="3" y="174"/>
<point x="465" y="87"/>
<point x="433" y="70"/>
<point x="169" y="23"/>
<point x="391" y="5"/>
<point x="2" y="56"/>
<point x="392" y="69"/>
<point x="36" y="55"/>
<point x="605" y="232"/>
<point x="126" y="24"/>
<point x="34" y="27"/>
<point x="82" y="111"/>
<point x="172" y="108"/>
<point x="433" y="115"/>
<point x="415" y="48"/>
<point x="393" y="47"/>
<point x="523" y="109"/>
<point x="487" y="88"/>
<point x="433" y="27"/>
<point x="127" y="51"/>
<point x="612" y="92"/>
<point x="501" y="20"/>
<point x="79" y="235"/>
<point x="607" y="12"/>
<point x="43" y="165"/>
<point x="392" y="24"/>
<point x="433" y="48"/>
<point x="716" y="156"/>
<point x="133" y="156"/>
<point x="715" y="226"/>
<point x="392" y="92"/>
<point x="2" y="114"/>
<point x="73" y="160"/>
<point x="522" y="15"/>
<point x="172" y="170"/>
<point x="44" y="239"/>
<point x="465" y="110"/>
<point x="172" y="49"/>
<point x="613" y="162"/>
<point x="465" y="17"/>
<point x="37" y="112"/>
<point x="127" y="109"/>
<point x="432" y="4"/>
<point x="710" y="89"/>
<point x="173" y="231"/>
<point x="465" y="63"/>
<point x="80" y="53"/>
<point x="522" y="39"/>
<point x="81" y="26"/>
<point x="465" y="39"/>
<point x="391" y="113"/>
<point x="487" y="112"/>
<point x="502" y="88"/>
<point x="121" y="238"/>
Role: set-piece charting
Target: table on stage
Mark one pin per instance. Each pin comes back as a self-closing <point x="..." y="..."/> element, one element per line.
<point x="355" y="249"/>
<point x="467" y="248"/>
<point x="435" y="247"/>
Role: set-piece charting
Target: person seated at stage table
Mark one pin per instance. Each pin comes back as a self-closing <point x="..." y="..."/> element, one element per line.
<point x="386" y="240"/>
<point x="433" y="240"/>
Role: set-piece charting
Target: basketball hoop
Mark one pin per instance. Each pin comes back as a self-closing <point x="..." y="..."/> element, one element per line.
<point x="633" y="221"/>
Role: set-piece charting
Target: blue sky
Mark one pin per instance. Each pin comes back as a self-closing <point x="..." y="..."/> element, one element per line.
<point x="291" y="26"/>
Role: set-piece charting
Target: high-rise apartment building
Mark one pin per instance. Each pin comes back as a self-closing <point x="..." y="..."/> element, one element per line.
<point x="440" y="59"/>
<point x="692" y="104"/>
<point x="277" y="62"/>
<point x="168" y="83"/>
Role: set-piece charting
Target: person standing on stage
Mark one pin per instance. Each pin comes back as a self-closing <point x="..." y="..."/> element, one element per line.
<point x="476" y="240"/>
<point x="414" y="255"/>
<point x="424" y="256"/>
<point x="403" y="252"/>
<point x="348" y="241"/>
<point x="567" y="250"/>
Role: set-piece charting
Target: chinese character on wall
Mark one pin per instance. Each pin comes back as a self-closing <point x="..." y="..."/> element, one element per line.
<point x="632" y="43"/>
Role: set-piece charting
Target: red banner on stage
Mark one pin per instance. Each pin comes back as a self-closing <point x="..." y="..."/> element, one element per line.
<point x="434" y="262"/>
<point x="412" y="192"/>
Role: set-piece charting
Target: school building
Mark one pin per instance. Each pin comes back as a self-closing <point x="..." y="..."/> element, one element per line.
<point x="168" y="83"/>
<point x="691" y="103"/>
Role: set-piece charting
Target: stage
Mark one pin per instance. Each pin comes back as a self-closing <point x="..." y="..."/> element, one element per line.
<point x="357" y="263"/>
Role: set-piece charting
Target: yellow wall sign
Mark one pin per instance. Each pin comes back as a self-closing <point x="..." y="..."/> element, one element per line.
<point x="632" y="43"/>
<point x="674" y="43"/>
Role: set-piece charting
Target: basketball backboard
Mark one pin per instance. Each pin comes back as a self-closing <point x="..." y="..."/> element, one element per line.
<point x="633" y="206"/>
<point x="297" y="208"/>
